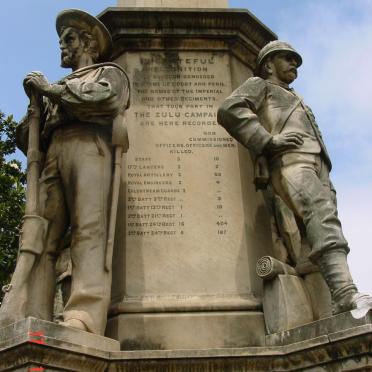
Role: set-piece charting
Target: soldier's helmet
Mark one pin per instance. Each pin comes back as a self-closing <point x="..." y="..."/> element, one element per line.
<point x="274" y="47"/>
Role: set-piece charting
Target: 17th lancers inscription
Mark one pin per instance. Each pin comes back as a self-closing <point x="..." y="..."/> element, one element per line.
<point x="180" y="151"/>
<point x="182" y="181"/>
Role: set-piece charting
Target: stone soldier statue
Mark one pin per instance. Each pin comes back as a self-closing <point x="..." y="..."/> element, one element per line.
<point x="79" y="114"/>
<point x="268" y="117"/>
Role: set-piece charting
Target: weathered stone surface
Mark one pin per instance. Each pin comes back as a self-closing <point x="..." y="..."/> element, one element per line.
<point x="179" y="247"/>
<point x="182" y="184"/>
<point x="175" y="3"/>
<point x="345" y="350"/>
<point x="319" y="294"/>
<point x="290" y="300"/>
<point x="36" y="343"/>
<point x="335" y="325"/>
<point x="41" y="332"/>
<point x="286" y="303"/>
<point x="235" y="31"/>
<point x="195" y="330"/>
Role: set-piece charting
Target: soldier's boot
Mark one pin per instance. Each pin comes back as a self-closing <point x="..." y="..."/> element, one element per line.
<point x="75" y="323"/>
<point x="345" y="296"/>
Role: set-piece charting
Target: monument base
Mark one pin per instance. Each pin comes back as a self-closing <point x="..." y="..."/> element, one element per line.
<point x="188" y="330"/>
<point x="45" y="346"/>
<point x="339" y="343"/>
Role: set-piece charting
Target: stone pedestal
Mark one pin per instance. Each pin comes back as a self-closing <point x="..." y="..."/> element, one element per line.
<point x="37" y="345"/>
<point x="191" y="225"/>
<point x="339" y="343"/>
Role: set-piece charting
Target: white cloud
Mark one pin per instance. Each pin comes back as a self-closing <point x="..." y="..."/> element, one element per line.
<point x="356" y="216"/>
<point x="335" y="40"/>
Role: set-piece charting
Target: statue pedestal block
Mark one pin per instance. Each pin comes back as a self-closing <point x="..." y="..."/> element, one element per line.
<point x="190" y="224"/>
<point x="339" y="343"/>
<point x="333" y="328"/>
<point x="195" y="330"/>
<point x="40" y="344"/>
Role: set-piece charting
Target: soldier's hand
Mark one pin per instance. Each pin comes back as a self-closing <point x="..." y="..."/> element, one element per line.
<point x="286" y="141"/>
<point x="36" y="81"/>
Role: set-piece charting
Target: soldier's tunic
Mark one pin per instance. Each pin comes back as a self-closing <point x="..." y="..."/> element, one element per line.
<point x="75" y="190"/>
<point x="255" y="112"/>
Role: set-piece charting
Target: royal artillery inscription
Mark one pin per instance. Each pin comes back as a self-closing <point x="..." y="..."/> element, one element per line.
<point x="181" y="188"/>
<point x="181" y="151"/>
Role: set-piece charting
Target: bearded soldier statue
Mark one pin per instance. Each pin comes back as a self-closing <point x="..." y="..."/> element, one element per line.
<point x="78" y="115"/>
<point x="269" y="118"/>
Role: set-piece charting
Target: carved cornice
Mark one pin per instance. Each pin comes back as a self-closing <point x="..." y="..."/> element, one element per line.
<point x="233" y="30"/>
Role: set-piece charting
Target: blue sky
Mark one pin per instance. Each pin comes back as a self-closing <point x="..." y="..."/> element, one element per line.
<point x="335" y="39"/>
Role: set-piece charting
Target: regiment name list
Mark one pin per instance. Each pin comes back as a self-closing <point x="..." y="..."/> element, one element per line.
<point x="179" y="148"/>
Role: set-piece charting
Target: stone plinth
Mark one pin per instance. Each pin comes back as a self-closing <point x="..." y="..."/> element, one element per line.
<point x="334" y="328"/>
<point x="191" y="226"/>
<point x="344" y="346"/>
<point x="39" y="344"/>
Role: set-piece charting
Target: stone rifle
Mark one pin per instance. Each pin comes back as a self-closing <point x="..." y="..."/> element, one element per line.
<point x="34" y="226"/>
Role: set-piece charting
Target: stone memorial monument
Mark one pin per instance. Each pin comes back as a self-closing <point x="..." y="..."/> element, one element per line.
<point x="191" y="227"/>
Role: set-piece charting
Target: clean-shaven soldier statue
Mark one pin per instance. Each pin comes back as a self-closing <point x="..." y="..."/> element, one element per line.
<point x="75" y="181"/>
<point x="270" y="119"/>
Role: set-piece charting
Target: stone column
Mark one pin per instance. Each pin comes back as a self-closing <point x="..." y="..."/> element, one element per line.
<point x="191" y="225"/>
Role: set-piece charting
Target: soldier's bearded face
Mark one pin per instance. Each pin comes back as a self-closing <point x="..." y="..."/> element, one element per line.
<point x="72" y="47"/>
<point x="284" y="67"/>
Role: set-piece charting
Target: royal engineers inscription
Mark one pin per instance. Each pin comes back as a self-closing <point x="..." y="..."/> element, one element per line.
<point x="181" y="191"/>
<point x="177" y="112"/>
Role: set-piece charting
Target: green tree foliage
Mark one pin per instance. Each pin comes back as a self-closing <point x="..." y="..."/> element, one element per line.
<point x="12" y="198"/>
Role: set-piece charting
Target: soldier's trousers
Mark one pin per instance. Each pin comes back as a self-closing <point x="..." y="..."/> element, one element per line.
<point x="302" y="181"/>
<point x="75" y="191"/>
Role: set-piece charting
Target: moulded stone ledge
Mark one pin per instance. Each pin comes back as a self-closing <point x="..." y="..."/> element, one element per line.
<point x="234" y="30"/>
<point x="338" y="350"/>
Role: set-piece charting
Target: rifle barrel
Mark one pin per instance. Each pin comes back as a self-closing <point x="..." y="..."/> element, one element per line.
<point x="33" y="158"/>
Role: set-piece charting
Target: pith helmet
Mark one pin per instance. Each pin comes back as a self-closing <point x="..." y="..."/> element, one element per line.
<point x="84" y="21"/>
<point x="273" y="47"/>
